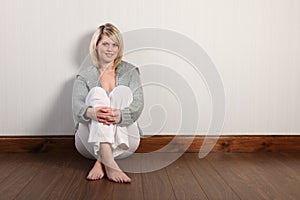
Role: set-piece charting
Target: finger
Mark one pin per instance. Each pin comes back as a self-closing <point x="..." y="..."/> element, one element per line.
<point x="105" y="109"/>
<point x="107" y="119"/>
<point x="102" y="119"/>
<point x="112" y="121"/>
<point x="104" y="116"/>
<point x="104" y="122"/>
<point x="100" y="108"/>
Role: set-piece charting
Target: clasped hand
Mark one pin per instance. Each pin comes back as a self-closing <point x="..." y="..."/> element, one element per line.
<point x="105" y="115"/>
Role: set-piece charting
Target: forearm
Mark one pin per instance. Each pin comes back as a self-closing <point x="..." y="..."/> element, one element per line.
<point x="131" y="113"/>
<point x="90" y="113"/>
<point x="79" y="107"/>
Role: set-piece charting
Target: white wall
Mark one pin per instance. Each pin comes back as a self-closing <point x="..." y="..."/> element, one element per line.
<point x="254" y="44"/>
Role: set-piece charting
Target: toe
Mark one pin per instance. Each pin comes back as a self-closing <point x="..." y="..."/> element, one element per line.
<point x="123" y="179"/>
<point x="92" y="177"/>
<point x="128" y="180"/>
<point x="100" y="176"/>
<point x="89" y="177"/>
<point x="96" y="177"/>
<point x="118" y="179"/>
<point x="115" y="180"/>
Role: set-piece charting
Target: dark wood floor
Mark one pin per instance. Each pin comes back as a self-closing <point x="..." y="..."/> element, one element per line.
<point x="217" y="176"/>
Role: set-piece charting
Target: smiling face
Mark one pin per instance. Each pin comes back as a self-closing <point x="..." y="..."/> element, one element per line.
<point x="107" y="50"/>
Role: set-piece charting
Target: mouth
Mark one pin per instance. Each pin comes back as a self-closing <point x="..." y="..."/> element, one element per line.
<point x="109" y="54"/>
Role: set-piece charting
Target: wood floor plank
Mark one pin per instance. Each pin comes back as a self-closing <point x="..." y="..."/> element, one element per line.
<point x="283" y="179"/>
<point x="291" y="159"/>
<point x="244" y="175"/>
<point x="237" y="174"/>
<point x="212" y="183"/>
<point x="157" y="185"/>
<point x="134" y="190"/>
<point x="185" y="185"/>
<point x="60" y="188"/>
<point x="73" y="173"/>
<point x="16" y="181"/>
<point x="75" y="186"/>
<point x="46" y="179"/>
<point x="218" y="176"/>
<point x="9" y="163"/>
<point x="100" y="189"/>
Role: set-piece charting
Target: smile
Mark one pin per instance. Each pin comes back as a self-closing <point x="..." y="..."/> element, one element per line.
<point x="109" y="54"/>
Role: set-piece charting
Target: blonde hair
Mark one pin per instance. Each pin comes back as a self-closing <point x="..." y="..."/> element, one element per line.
<point x="114" y="34"/>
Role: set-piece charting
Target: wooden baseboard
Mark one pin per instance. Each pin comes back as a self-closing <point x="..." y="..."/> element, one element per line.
<point x="169" y="143"/>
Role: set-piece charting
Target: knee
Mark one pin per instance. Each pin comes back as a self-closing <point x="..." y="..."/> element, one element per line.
<point x="97" y="91"/>
<point x="97" y="95"/>
<point x="122" y="91"/>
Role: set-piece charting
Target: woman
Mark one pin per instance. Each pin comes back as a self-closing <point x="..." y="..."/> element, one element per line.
<point x="107" y="100"/>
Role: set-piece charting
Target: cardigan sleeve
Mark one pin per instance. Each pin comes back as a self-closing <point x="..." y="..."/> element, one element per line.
<point x="80" y="91"/>
<point x="131" y="113"/>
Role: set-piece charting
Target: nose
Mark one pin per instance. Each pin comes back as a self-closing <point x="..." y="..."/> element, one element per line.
<point x="109" y="48"/>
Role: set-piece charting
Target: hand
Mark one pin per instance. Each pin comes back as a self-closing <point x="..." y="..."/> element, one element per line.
<point x="107" y="115"/>
<point x="91" y="113"/>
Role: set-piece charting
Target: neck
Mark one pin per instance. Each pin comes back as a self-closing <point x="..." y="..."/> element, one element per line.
<point x="106" y="66"/>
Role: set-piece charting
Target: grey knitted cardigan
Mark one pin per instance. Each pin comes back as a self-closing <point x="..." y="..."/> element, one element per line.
<point x="126" y="74"/>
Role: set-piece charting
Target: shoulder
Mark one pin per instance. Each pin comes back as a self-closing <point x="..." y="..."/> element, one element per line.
<point x="87" y="72"/>
<point x="125" y="67"/>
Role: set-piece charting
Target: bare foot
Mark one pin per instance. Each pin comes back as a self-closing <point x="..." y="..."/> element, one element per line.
<point x="96" y="172"/>
<point x="114" y="173"/>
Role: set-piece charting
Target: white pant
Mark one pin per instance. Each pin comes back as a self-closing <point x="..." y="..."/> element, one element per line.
<point x="124" y="140"/>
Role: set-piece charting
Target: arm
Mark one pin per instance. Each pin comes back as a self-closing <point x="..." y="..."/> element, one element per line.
<point x="79" y="108"/>
<point x="130" y="114"/>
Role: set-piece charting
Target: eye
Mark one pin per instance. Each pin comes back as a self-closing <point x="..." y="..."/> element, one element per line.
<point x="106" y="44"/>
<point x="115" y="45"/>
